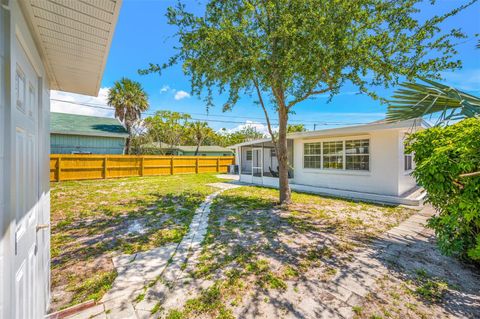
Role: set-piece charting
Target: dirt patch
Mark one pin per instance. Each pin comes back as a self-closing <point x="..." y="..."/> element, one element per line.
<point x="265" y="260"/>
<point x="92" y="221"/>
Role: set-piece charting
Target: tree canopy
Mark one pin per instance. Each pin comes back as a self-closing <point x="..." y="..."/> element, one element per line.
<point x="129" y="100"/>
<point x="286" y="51"/>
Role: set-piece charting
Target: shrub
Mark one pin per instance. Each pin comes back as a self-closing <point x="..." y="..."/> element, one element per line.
<point x="441" y="155"/>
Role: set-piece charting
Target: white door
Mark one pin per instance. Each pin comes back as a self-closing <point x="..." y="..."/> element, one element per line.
<point x="257" y="165"/>
<point x="25" y="178"/>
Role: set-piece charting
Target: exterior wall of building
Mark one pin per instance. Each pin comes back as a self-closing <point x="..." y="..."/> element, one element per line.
<point x="405" y="179"/>
<point x="23" y="201"/>
<point x="382" y="177"/>
<point x="4" y="184"/>
<point x="67" y="144"/>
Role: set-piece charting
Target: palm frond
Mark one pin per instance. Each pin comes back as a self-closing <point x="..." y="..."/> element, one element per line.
<point x="416" y="100"/>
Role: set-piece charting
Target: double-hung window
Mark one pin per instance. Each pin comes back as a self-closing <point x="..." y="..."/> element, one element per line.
<point x="333" y="155"/>
<point x="312" y="155"/>
<point x="249" y="155"/>
<point x="357" y="156"/>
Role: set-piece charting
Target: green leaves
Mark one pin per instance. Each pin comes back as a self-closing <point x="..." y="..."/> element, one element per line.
<point x="297" y="49"/>
<point x="416" y="100"/>
<point x="442" y="154"/>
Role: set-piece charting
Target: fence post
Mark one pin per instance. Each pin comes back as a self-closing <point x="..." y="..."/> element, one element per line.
<point x="218" y="164"/>
<point x="171" y="165"/>
<point x="196" y="166"/>
<point x="141" y="166"/>
<point x="59" y="169"/>
<point x="105" y="167"/>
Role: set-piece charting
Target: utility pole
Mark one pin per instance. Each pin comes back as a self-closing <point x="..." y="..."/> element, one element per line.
<point x="314" y="127"/>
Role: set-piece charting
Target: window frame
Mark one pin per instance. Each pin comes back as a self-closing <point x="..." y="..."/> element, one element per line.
<point x="344" y="155"/>
<point x="357" y="155"/>
<point x="405" y="156"/>
<point x="313" y="155"/>
<point x="251" y="155"/>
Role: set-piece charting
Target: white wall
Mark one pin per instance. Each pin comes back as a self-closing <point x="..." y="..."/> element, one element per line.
<point x="405" y="179"/>
<point x="4" y="220"/>
<point x="13" y="28"/>
<point x="381" y="179"/>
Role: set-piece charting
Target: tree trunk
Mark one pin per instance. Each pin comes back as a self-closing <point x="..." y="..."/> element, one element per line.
<point x="285" y="193"/>
<point x="127" y="146"/>
<point x="196" y="151"/>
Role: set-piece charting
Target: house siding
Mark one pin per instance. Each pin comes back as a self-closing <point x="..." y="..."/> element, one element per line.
<point x="382" y="178"/>
<point x="67" y="144"/>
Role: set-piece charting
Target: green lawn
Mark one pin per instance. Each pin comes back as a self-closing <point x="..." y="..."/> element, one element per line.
<point x="97" y="219"/>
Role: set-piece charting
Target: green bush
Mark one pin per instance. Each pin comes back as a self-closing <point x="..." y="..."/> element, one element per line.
<point x="441" y="155"/>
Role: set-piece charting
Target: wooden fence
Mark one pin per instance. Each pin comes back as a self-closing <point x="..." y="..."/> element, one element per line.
<point x="76" y="167"/>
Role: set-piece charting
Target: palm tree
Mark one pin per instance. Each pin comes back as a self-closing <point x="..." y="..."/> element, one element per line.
<point x="199" y="132"/>
<point x="129" y="100"/>
<point x="416" y="100"/>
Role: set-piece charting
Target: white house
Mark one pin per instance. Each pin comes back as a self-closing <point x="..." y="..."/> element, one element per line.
<point x="54" y="44"/>
<point x="365" y="162"/>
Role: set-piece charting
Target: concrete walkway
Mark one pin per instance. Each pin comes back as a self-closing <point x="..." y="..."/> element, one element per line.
<point x="153" y="274"/>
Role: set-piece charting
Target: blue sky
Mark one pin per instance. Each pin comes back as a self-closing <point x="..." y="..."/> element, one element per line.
<point x="142" y="36"/>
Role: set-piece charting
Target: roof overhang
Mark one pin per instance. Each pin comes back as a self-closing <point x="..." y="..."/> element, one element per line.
<point x="73" y="39"/>
<point x="414" y="124"/>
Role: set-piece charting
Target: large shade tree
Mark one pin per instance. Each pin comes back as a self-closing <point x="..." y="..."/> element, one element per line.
<point x="129" y="100"/>
<point x="286" y="51"/>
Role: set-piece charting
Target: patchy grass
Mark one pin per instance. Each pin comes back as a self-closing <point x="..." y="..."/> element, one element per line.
<point x="407" y="294"/>
<point x="255" y="250"/>
<point x="97" y="219"/>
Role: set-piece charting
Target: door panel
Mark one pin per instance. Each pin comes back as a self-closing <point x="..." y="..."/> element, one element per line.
<point x="25" y="189"/>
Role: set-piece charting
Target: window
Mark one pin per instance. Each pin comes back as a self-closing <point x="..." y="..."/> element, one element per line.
<point x="312" y="155"/>
<point x="272" y="153"/>
<point x="31" y="100"/>
<point x="333" y="155"/>
<point x="349" y="155"/>
<point x="20" y="89"/>
<point x="249" y="155"/>
<point x="357" y="155"/>
<point x="408" y="162"/>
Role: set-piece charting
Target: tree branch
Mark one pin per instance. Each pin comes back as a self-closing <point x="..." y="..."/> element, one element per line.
<point x="257" y="88"/>
<point x="329" y="80"/>
<point x="469" y="174"/>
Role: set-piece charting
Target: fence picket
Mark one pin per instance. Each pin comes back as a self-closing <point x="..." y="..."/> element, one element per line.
<point x="76" y="167"/>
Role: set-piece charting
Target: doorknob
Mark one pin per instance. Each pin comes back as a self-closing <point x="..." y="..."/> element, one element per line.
<point x="42" y="226"/>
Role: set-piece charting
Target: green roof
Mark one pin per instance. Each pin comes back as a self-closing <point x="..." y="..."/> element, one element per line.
<point x="72" y="124"/>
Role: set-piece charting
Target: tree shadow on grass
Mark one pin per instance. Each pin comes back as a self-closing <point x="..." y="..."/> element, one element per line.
<point x="418" y="261"/>
<point x="244" y="229"/>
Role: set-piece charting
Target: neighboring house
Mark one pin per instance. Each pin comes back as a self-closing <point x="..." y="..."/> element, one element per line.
<point x="44" y="45"/>
<point x="208" y="150"/>
<point x="361" y="162"/>
<point x="80" y="134"/>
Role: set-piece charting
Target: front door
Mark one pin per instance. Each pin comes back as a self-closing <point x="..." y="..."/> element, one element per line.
<point x="25" y="178"/>
<point x="257" y="166"/>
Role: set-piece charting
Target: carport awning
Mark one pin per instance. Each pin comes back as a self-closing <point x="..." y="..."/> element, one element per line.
<point x="73" y="38"/>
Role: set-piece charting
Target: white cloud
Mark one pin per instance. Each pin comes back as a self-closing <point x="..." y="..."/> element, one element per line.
<point x="165" y="89"/>
<point x="259" y="127"/>
<point x="96" y="108"/>
<point x="181" y="95"/>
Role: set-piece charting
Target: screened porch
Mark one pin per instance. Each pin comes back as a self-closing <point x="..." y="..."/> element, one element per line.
<point x="260" y="160"/>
